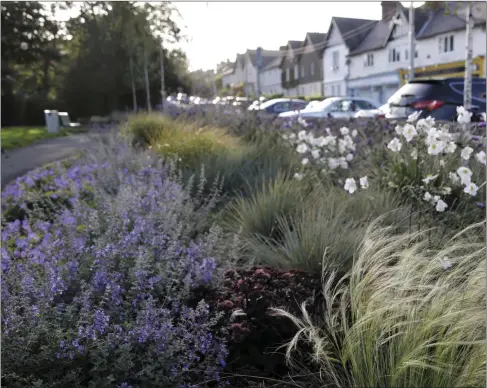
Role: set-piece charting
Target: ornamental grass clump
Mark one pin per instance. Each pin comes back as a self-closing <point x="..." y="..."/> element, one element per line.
<point x="405" y="316"/>
<point x="109" y="293"/>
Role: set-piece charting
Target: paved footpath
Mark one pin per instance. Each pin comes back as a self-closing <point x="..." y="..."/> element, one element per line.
<point x="18" y="162"/>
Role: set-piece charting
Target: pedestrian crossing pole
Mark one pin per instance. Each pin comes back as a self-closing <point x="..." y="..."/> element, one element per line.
<point x="467" y="92"/>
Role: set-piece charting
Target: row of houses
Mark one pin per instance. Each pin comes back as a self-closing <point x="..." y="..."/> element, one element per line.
<point x="360" y="57"/>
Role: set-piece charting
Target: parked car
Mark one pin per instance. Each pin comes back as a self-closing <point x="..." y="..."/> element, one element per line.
<point x="378" y="113"/>
<point x="280" y="105"/>
<point x="338" y="107"/>
<point x="242" y="102"/>
<point x="438" y="98"/>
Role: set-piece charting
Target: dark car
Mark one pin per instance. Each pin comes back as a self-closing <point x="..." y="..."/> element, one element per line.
<point x="438" y="98"/>
<point x="280" y="105"/>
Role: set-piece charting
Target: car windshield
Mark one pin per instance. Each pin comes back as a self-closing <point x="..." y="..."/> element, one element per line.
<point x="269" y="103"/>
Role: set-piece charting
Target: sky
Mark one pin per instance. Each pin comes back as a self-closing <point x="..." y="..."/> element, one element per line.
<point x="220" y="30"/>
<point x="217" y="31"/>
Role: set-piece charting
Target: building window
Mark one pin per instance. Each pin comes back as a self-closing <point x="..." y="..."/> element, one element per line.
<point x="335" y="60"/>
<point x="302" y="71"/>
<point x="288" y="74"/>
<point x="446" y="43"/>
<point x="369" y="60"/>
<point x="312" y="70"/>
<point x="296" y="72"/>
<point x="406" y="55"/>
<point x="394" y="55"/>
<point x="416" y="54"/>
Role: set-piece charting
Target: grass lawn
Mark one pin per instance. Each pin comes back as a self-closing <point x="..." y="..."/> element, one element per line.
<point x="17" y="137"/>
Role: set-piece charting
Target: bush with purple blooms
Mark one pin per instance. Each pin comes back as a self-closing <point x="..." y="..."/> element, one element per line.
<point x="98" y="296"/>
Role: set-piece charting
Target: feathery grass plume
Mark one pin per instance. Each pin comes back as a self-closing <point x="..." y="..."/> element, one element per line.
<point x="405" y="315"/>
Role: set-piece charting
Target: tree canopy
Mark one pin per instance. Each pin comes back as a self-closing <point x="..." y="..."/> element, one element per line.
<point x="91" y="64"/>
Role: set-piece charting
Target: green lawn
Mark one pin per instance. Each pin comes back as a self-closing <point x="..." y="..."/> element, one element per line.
<point x="17" y="137"/>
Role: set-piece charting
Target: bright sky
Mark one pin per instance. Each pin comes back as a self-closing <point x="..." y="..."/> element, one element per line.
<point x="217" y="31"/>
<point x="220" y="30"/>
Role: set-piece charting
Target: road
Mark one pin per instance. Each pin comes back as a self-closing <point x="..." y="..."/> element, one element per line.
<point x="18" y="162"/>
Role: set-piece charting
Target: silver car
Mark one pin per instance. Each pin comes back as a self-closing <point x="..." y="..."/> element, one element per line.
<point x="336" y="107"/>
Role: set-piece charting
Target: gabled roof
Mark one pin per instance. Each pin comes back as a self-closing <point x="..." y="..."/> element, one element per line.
<point x="275" y="62"/>
<point x="441" y="22"/>
<point x="353" y="31"/>
<point x="427" y="23"/>
<point x="295" y="44"/>
<point x="267" y="56"/>
<point x="316" y="37"/>
<point x="291" y="44"/>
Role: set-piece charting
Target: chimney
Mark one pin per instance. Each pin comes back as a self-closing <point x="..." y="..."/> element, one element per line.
<point x="388" y="9"/>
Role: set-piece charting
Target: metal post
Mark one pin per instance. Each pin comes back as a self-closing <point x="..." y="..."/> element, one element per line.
<point x="467" y="92"/>
<point x="412" y="48"/>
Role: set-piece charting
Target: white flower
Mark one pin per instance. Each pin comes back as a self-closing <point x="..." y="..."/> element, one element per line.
<point x="414" y="154"/>
<point x="441" y="206"/>
<point x="349" y="157"/>
<point x="446" y="190"/>
<point x="427" y="197"/>
<point x="464" y="116"/>
<point x="320" y="141"/>
<point x="302" y="122"/>
<point x="399" y="129"/>
<point x="395" y="145"/>
<point x="302" y="148"/>
<point x="298" y="176"/>
<point x="429" y="178"/>
<point x="414" y="116"/>
<point x="327" y="130"/>
<point x="342" y="146"/>
<point x="423" y="125"/>
<point x="285" y="137"/>
<point x="471" y="188"/>
<point x="465" y="174"/>
<point x="350" y="185"/>
<point x="436" y="147"/>
<point x="292" y="136"/>
<point x="481" y="157"/>
<point x="302" y="135"/>
<point x="333" y="163"/>
<point x="344" y="131"/>
<point x="343" y="163"/>
<point x="409" y="132"/>
<point x="305" y="161"/>
<point x="354" y="133"/>
<point x="436" y="198"/>
<point x="364" y="182"/>
<point x="445" y="262"/>
<point x="330" y="140"/>
<point x="310" y="139"/>
<point x="315" y="154"/>
<point x="450" y="147"/>
<point x="442" y="163"/>
<point x="466" y="153"/>
<point x="454" y="177"/>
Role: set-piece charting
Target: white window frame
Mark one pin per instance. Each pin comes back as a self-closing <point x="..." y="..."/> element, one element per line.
<point x="446" y="44"/>
<point x="312" y="69"/>
<point x="288" y="74"/>
<point x="394" y="55"/>
<point x="369" y="60"/>
<point x="302" y="71"/>
<point x="296" y="72"/>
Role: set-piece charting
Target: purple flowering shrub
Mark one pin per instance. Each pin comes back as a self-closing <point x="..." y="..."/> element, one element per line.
<point x="97" y="296"/>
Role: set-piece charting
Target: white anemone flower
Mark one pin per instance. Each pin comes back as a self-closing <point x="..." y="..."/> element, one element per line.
<point x="333" y="163"/>
<point x="441" y="206"/>
<point x="302" y="148"/>
<point x="395" y="145"/>
<point x="354" y="133"/>
<point x="302" y="135"/>
<point x="450" y="147"/>
<point x="344" y="131"/>
<point x="471" y="188"/>
<point x="414" y="116"/>
<point x="445" y="262"/>
<point x="350" y="185"/>
<point x="409" y="132"/>
<point x="399" y="129"/>
<point x="364" y="182"/>
<point x="298" y="176"/>
<point x="463" y="115"/>
<point x="349" y="157"/>
<point x="436" y="147"/>
<point x="429" y="178"/>
<point x="481" y="157"/>
<point x="305" y="161"/>
<point x="465" y="175"/>
<point x="427" y="197"/>
<point x="414" y="154"/>
<point x="466" y="153"/>
<point x="454" y="178"/>
<point x="343" y="163"/>
<point x="315" y="154"/>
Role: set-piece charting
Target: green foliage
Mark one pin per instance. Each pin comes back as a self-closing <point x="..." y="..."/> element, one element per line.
<point x="16" y="137"/>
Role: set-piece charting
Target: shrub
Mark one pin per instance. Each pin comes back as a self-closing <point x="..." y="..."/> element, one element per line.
<point x="256" y="335"/>
<point x="414" y="315"/>
<point x="101" y="296"/>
